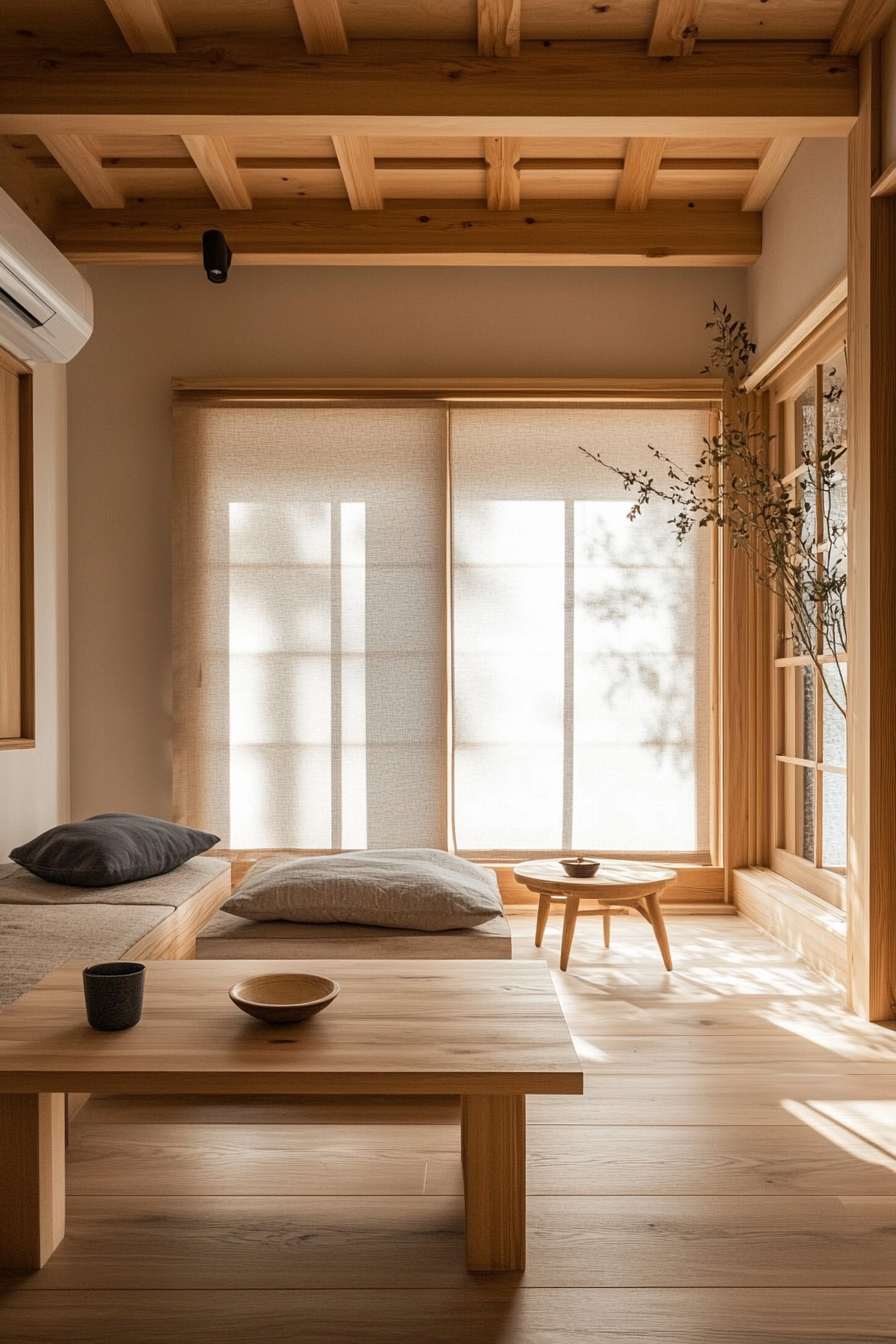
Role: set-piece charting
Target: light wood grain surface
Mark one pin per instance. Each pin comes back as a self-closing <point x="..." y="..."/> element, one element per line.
<point x="724" y="1179"/>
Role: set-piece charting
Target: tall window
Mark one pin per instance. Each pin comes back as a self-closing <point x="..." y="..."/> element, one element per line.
<point x="810" y="691"/>
<point x="369" y="656"/>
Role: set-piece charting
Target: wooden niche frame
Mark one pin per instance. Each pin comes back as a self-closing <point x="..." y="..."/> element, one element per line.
<point x="17" y="727"/>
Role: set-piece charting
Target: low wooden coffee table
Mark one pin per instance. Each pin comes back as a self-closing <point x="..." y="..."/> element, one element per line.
<point x="487" y="1031"/>
<point x="616" y="882"/>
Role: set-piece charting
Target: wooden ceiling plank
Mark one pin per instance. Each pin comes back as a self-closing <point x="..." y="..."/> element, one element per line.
<point x="642" y="161"/>
<point x="78" y="158"/>
<point x="386" y="90"/>
<point x="499" y="27"/>
<point x="502" y="178"/>
<point x="143" y="25"/>
<point x="675" y="27"/>
<point x="860" y="22"/>
<point x="358" y="166"/>
<point x="428" y="232"/>
<point x="772" y="164"/>
<point x="323" y="30"/>
<point x="212" y="156"/>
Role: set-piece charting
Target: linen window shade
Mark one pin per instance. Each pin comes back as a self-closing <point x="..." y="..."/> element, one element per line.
<point x="309" y="624"/>
<point x="581" y="640"/>
<point x="313" y="669"/>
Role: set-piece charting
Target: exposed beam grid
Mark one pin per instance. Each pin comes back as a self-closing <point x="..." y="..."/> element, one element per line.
<point x="323" y="31"/>
<point x="77" y="157"/>
<point x="502" y="176"/>
<point x="359" y="171"/>
<point x="212" y="156"/>
<point x="675" y="27"/>
<point x="143" y="25"/>
<point x="860" y="22"/>
<point x="499" y="27"/>
<point x="420" y="232"/>
<point x="642" y="161"/>
<point x="774" y="160"/>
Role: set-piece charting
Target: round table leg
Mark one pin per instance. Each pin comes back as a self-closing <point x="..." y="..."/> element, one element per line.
<point x="544" y="909"/>
<point x="569" y="928"/>
<point x="607" y="918"/>
<point x="659" y="928"/>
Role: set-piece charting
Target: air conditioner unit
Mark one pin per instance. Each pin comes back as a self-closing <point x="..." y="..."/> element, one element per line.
<point x="46" y="307"/>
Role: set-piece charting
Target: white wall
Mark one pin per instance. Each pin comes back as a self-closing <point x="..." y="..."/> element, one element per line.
<point x="803" y="241"/>
<point x="34" y="783"/>
<point x="154" y="323"/>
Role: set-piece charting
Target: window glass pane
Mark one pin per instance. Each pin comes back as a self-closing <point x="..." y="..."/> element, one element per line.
<point x="834" y="718"/>
<point x="833" y="821"/>
<point x="803" y="631"/>
<point x="807" y="813"/>
<point x="834" y="448"/>
<point x="581" y="638"/>
<point x="806" y="679"/>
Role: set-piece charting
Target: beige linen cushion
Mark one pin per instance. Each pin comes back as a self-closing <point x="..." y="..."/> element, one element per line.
<point x="424" y="889"/>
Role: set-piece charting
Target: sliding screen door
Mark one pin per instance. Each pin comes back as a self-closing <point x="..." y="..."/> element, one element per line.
<point x="310" y="645"/>
<point x="581" y="640"/>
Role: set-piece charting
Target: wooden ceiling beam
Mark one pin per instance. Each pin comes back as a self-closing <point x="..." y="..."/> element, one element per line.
<point x="860" y="22"/>
<point x="389" y="89"/>
<point x="431" y="232"/>
<point x="358" y="171"/>
<point x="772" y="165"/>
<point x="286" y="163"/>
<point x="499" y="27"/>
<point x="211" y="155"/>
<point x="502" y="179"/>
<point x="77" y="158"/>
<point x="143" y="25"/>
<point x="323" y="30"/>
<point x="642" y="161"/>
<point x="675" y="27"/>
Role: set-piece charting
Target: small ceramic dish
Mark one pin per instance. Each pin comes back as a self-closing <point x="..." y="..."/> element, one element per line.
<point x="580" y="867"/>
<point x="284" y="998"/>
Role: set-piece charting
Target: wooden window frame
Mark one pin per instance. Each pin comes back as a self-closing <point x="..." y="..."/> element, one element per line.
<point x="783" y="388"/>
<point x="17" y="610"/>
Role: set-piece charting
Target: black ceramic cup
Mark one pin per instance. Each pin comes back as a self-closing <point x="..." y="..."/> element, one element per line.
<point x="113" y="994"/>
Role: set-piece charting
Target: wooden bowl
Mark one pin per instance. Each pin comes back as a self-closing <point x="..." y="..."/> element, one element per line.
<point x="284" y="998"/>
<point x="580" y="867"/>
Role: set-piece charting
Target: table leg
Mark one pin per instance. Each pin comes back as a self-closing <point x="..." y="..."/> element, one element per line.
<point x="32" y="1178"/>
<point x="569" y="928"/>
<point x="493" y="1150"/>
<point x="655" y="916"/>
<point x="541" y="920"/>
<point x="607" y="918"/>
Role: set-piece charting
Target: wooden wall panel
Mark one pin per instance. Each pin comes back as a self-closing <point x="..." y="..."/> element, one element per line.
<point x="871" y="883"/>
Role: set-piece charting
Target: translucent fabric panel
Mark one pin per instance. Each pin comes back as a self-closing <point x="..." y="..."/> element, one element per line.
<point x="310" y="624"/>
<point x="581" y="639"/>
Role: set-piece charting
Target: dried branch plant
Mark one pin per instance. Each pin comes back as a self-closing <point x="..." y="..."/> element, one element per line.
<point x="791" y="528"/>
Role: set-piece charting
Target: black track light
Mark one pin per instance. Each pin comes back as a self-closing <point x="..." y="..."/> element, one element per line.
<point x="216" y="256"/>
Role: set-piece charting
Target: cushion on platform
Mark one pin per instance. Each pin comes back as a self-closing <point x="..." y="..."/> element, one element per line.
<point x="111" y="848"/>
<point x="425" y="889"/>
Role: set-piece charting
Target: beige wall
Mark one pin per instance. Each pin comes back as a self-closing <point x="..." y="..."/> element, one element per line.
<point x="155" y="323"/>
<point x="803" y="241"/>
<point x="34" y="783"/>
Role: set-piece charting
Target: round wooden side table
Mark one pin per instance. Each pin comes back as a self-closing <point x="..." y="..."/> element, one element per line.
<point x="617" y="882"/>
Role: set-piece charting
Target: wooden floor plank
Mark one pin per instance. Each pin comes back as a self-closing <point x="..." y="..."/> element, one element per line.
<point x="264" y="1160"/>
<point x="343" y="1244"/>
<point x="488" y="1312"/>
